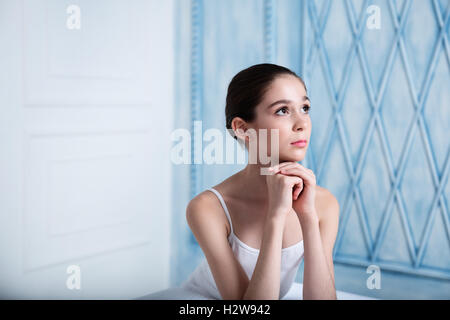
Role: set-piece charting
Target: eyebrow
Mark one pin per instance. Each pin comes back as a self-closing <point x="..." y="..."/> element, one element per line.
<point x="285" y="102"/>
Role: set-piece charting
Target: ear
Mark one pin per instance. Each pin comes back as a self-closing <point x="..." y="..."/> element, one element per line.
<point x="240" y="128"/>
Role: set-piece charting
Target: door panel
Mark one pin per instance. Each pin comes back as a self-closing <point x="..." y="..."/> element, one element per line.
<point x="81" y="121"/>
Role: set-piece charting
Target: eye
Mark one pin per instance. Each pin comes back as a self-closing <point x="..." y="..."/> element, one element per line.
<point x="307" y="108"/>
<point x="284" y="108"/>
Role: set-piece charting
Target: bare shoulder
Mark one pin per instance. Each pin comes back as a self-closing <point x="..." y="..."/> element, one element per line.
<point x="326" y="203"/>
<point x="205" y="208"/>
<point x="206" y="219"/>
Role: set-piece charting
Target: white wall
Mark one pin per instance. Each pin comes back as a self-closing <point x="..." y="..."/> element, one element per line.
<point x="85" y="122"/>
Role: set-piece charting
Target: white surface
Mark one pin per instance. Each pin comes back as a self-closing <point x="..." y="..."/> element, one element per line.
<point x="295" y="293"/>
<point x="84" y="163"/>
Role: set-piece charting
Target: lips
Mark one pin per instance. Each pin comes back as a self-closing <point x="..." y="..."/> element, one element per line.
<point x="299" y="142"/>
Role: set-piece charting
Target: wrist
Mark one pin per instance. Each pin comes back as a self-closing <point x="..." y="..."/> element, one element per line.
<point x="276" y="216"/>
<point x="274" y="226"/>
<point x="308" y="219"/>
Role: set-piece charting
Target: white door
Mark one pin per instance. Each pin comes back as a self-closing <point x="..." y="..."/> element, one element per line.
<point x="85" y="120"/>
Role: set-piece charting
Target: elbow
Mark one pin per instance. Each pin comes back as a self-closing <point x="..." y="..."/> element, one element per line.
<point x="246" y="296"/>
<point x="234" y="295"/>
<point x="259" y="297"/>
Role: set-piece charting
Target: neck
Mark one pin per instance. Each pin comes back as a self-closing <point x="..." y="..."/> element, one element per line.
<point x="253" y="183"/>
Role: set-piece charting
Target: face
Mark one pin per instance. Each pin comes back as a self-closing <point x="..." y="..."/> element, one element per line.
<point x="285" y="107"/>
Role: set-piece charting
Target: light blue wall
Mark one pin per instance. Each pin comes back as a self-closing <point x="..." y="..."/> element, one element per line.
<point x="380" y="117"/>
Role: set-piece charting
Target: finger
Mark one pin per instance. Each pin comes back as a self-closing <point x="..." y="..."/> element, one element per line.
<point x="298" y="190"/>
<point x="298" y="172"/>
<point x="294" y="180"/>
<point x="297" y="165"/>
<point x="276" y="168"/>
<point x="295" y="192"/>
<point x="292" y="165"/>
<point x="301" y="166"/>
<point x="281" y="165"/>
<point x="293" y="171"/>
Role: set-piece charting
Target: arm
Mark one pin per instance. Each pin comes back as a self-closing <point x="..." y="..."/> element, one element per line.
<point x="207" y="221"/>
<point x="265" y="281"/>
<point x="319" y="238"/>
<point x="319" y="221"/>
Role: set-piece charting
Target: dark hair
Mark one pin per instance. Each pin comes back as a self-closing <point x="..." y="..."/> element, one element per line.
<point x="247" y="89"/>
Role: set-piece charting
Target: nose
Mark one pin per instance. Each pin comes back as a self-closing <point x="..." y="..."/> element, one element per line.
<point x="301" y="123"/>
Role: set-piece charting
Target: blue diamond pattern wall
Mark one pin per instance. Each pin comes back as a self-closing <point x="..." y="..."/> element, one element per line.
<point x="378" y="84"/>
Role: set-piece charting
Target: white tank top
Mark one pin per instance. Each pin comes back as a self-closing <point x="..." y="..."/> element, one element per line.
<point x="202" y="281"/>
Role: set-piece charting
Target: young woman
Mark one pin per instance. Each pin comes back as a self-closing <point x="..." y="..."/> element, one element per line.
<point x="255" y="229"/>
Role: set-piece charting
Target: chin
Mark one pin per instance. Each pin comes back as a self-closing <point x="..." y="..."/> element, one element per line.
<point x="293" y="156"/>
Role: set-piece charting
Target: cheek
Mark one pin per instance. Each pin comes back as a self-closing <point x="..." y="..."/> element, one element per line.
<point x="283" y="132"/>
<point x="283" y="138"/>
<point x="269" y="123"/>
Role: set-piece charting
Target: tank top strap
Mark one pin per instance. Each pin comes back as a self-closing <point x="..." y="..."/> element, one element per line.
<point x="222" y="202"/>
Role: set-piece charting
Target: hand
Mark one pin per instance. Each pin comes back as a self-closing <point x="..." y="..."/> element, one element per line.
<point x="304" y="195"/>
<point x="280" y="192"/>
